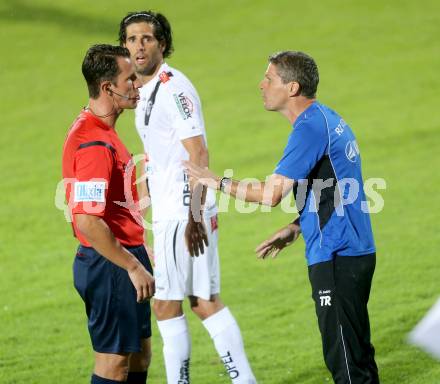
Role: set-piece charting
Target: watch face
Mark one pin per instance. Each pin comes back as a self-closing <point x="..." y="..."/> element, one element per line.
<point x="224" y="182"/>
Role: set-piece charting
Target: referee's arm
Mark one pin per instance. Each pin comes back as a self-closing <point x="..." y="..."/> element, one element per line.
<point x="101" y="238"/>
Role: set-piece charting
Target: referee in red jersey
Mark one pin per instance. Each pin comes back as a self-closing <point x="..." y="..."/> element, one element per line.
<point x="112" y="272"/>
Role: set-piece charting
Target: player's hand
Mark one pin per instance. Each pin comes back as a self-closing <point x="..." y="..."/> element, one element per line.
<point x="196" y="237"/>
<point x="202" y="175"/>
<point x="279" y="240"/>
<point x="143" y="282"/>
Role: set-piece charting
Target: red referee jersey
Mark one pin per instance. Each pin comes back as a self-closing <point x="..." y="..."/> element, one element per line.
<point x="99" y="179"/>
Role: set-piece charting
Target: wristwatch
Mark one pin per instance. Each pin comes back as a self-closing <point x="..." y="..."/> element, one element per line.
<point x="223" y="183"/>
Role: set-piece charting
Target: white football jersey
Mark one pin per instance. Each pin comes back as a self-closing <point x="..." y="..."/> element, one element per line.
<point x="169" y="111"/>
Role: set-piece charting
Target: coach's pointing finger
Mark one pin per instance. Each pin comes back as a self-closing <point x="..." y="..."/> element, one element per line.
<point x="202" y="175"/>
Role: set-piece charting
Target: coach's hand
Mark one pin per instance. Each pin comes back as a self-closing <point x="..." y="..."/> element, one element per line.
<point x="196" y="237"/>
<point x="202" y="175"/>
<point x="143" y="282"/>
<point x="279" y="240"/>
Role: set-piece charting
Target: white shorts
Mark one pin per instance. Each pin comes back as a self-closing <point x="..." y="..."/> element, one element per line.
<point x="179" y="275"/>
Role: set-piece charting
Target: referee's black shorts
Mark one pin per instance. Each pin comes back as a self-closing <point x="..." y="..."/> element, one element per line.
<point x="341" y="289"/>
<point x="116" y="322"/>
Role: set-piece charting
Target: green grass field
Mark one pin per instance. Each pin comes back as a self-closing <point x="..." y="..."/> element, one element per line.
<point x="379" y="65"/>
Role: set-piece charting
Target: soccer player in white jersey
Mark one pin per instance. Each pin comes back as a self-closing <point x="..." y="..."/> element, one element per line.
<point x="170" y="123"/>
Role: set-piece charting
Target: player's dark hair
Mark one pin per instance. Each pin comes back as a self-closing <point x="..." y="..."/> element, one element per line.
<point x="100" y="65"/>
<point x="299" y="67"/>
<point x="161" y="28"/>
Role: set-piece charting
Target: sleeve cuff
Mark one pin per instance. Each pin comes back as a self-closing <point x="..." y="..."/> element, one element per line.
<point x="286" y="173"/>
<point x="193" y="133"/>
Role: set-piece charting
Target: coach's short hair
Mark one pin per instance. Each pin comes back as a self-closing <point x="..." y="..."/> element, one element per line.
<point x="299" y="67"/>
<point x="161" y="28"/>
<point x="100" y="65"/>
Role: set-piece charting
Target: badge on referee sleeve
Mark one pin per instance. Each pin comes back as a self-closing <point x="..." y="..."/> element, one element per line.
<point x="91" y="191"/>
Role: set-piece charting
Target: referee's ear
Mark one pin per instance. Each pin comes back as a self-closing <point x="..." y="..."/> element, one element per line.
<point x="105" y="87"/>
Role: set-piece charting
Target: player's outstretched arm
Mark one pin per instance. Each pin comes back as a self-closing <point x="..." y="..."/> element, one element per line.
<point x="279" y="240"/>
<point x="101" y="238"/>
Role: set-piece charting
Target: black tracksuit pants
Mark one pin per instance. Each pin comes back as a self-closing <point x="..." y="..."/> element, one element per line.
<point x="340" y="289"/>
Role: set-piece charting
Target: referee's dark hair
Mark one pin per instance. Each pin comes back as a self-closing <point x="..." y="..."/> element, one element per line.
<point x="298" y="67"/>
<point x="100" y="65"/>
<point x="161" y="28"/>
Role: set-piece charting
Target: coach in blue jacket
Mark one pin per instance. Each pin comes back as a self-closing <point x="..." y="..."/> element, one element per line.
<point x="321" y="163"/>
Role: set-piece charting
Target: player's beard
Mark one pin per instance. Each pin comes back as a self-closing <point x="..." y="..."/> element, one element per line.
<point x="149" y="69"/>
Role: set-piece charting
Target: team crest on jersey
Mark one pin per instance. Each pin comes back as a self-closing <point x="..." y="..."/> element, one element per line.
<point x="352" y="151"/>
<point x="91" y="191"/>
<point x="184" y="104"/>
<point x="164" y="77"/>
